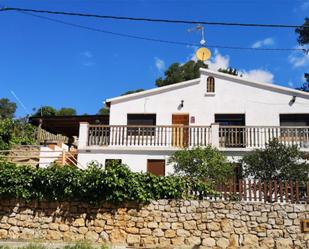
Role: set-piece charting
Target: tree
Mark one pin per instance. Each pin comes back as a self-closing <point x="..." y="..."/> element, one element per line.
<point x="276" y="162"/>
<point x="207" y="163"/>
<point x="17" y="131"/>
<point x="303" y="33"/>
<point x="303" y="39"/>
<point x="7" y="108"/>
<point x="103" y="111"/>
<point x="133" y="91"/>
<point x="178" y="73"/>
<point x="66" y="111"/>
<point x="45" y="111"/>
<point x="305" y="86"/>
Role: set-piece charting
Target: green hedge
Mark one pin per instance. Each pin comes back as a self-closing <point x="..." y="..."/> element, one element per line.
<point x="115" y="184"/>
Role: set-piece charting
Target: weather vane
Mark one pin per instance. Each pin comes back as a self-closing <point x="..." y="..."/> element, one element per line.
<point x="202" y="53"/>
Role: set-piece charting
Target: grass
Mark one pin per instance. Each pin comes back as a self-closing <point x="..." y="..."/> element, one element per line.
<point x="82" y="245"/>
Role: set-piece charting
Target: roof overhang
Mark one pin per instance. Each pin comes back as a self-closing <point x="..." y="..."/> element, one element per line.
<point x="67" y="125"/>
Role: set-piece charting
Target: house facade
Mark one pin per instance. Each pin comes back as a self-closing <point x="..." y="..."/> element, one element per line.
<point x="229" y="112"/>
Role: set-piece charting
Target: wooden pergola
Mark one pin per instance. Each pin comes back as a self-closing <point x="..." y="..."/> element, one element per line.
<point x="67" y="125"/>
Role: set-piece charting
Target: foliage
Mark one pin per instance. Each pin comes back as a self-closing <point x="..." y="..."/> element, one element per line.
<point x="115" y="184"/>
<point x="66" y="111"/>
<point x="305" y="86"/>
<point x="178" y="73"/>
<point x="7" y="108"/>
<point x="84" y="245"/>
<point x="80" y="245"/>
<point x="303" y="33"/>
<point x="207" y="163"/>
<point x="45" y="111"/>
<point x="229" y="70"/>
<point x="276" y="161"/>
<point x="51" y="111"/>
<point x="103" y="111"/>
<point x="303" y="39"/>
<point x="17" y="131"/>
<point x="133" y="91"/>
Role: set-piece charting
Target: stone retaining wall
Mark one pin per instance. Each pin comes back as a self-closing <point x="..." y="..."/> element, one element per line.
<point x="160" y="224"/>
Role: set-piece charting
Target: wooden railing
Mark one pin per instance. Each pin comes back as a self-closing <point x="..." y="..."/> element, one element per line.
<point x="283" y="191"/>
<point x="45" y="136"/>
<point x="259" y="136"/>
<point x="158" y="136"/>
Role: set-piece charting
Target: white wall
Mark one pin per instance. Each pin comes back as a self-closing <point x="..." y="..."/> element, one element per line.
<point x="136" y="160"/>
<point x="261" y="106"/>
<point x="48" y="155"/>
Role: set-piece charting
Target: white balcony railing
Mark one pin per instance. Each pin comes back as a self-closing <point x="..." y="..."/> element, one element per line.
<point x="158" y="136"/>
<point x="192" y="136"/>
<point x="259" y="136"/>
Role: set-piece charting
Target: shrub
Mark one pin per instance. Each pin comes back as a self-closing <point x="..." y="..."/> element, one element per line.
<point x="207" y="163"/>
<point x="276" y="161"/>
<point x="16" y="132"/>
<point x="115" y="184"/>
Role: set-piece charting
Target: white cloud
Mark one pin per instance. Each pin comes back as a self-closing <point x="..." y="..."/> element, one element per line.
<point x="160" y="64"/>
<point x="291" y="84"/>
<point x="266" y="42"/>
<point x="219" y="61"/>
<point x="87" y="54"/>
<point x="223" y="61"/>
<point x="299" y="59"/>
<point x="305" y="6"/>
<point x="259" y="75"/>
<point x="87" y="58"/>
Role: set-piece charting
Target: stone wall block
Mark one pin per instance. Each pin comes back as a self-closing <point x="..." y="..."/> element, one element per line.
<point x="160" y="224"/>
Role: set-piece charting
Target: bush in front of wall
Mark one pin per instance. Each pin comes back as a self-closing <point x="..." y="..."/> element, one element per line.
<point x="276" y="162"/>
<point x="206" y="163"/>
<point x="115" y="184"/>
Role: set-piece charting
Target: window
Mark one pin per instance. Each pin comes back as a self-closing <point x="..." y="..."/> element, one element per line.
<point x="142" y="120"/>
<point x="111" y="162"/>
<point x="233" y="136"/>
<point x="156" y="167"/>
<point x="210" y="84"/>
<point x="294" y="119"/>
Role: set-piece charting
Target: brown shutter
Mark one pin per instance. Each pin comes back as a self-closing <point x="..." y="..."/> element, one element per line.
<point x="156" y="167"/>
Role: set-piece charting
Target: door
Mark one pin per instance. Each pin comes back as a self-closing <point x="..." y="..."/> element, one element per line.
<point x="156" y="167"/>
<point x="233" y="136"/>
<point x="180" y="128"/>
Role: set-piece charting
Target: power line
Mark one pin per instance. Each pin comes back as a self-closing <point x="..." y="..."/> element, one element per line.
<point x="154" y="19"/>
<point x="160" y="40"/>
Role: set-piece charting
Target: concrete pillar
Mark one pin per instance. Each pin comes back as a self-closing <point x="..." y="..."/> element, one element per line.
<point x="215" y="135"/>
<point x="83" y="134"/>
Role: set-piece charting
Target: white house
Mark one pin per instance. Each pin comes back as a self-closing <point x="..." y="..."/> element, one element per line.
<point x="229" y="112"/>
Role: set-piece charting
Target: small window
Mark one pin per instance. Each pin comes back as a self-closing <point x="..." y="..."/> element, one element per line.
<point x="142" y="120"/>
<point x="210" y="84"/>
<point x="156" y="167"/>
<point x="111" y="162"/>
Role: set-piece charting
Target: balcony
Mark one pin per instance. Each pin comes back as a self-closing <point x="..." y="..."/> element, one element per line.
<point x="149" y="136"/>
<point x="223" y="137"/>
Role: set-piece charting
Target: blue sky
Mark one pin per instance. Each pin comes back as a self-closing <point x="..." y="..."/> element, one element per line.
<point x="46" y="63"/>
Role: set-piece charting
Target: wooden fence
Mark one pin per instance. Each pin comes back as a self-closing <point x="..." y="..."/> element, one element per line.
<point x="252" y="190"/>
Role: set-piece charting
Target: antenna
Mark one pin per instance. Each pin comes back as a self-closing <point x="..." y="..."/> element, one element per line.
<point x="202" y="53"/>
<point x="200" y="28"/>
<point x="19" y="101"/>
